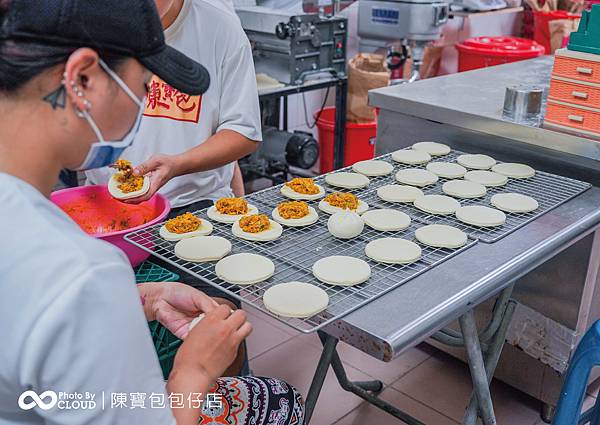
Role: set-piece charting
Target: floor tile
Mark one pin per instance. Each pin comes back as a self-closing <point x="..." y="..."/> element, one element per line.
<point x="295" y="362"/>
<point x="368" y="414"/>
<point x="443" y="383"/>
<point x="264" y="336"/>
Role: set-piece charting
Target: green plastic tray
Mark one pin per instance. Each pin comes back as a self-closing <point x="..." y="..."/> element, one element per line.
<point x="165" y="343"/>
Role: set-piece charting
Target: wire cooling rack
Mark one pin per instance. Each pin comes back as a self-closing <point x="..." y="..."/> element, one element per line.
<point x="549" y="190"/>
<point x="298" y="249"/>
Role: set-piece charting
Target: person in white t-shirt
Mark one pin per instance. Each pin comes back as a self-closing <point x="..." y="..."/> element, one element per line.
<point x="72" y="87"/>
<point x="191" y="144"/>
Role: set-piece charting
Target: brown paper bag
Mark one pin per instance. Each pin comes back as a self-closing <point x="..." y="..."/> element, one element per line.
<point x="559" y="29"/>
<point x="365" y="72"/>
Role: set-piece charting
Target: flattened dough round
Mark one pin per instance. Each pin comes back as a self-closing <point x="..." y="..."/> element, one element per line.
<point x="245" y="268"/>
<point x="514" y="170"/>
<point x="289" y="193"/>
<point x="342" y="270"/>
<point x="447" y="170"/>
<point x="464" y="189"/>
<point x="373" y="168"/>
<point x="411" y="157"/>
<point x="205" y="229"/>
<point x="481" y="216"/>
<point x="330" y="209"/>
<point x="274" y="232"/>
<point x="486" y="178"/>
<point x="437" y="204"/>
<point x="441" y="236"/>
<point x="295" y="299"/>
<point x="432" y="148"/>
<point x="476" y="161"/>
<point x="347" y="180"/>
<point x="115" y="192"/>
<point x="514" y="202"/>
<point x="393" y="251"/>
<point x="215" y="215"/>
<point x="416" y="177"/>
<point x="399" y="193"/>
<point x="201" y="249"/>
<point x="311" y="218"/>
<point x="386" y="220"/>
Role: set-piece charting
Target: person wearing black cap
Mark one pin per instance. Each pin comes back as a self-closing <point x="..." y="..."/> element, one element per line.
<point x="76" y="346"/>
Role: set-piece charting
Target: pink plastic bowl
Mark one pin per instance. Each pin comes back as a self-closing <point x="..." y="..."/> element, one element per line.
<point x="103" y="217"/>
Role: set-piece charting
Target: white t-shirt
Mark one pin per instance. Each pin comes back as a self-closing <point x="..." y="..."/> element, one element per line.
<point x="210" y="32"/>
<point x="71" y="319"/>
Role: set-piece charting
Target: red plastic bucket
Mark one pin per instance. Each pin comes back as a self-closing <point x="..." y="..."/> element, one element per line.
<point x="359" y="145"/>
<point x="481" y="52"/>
<point x="541" y="20"/>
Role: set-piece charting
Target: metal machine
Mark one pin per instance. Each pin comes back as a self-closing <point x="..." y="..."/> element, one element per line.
<point x="289" y="46"/>
<point x="415" y="23"/>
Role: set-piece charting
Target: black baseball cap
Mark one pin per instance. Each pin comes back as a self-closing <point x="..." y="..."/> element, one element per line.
<point x="124" y="27"/>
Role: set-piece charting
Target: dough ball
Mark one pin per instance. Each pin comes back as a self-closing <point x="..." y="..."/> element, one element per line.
<point x="441" y="236"/>
<point x="411" y="157"/>
<point x="464" y="189"/>
<point x="447" y="170"/>
<point x="201" y="249"/>
<point x="115" y="192"/>
<point x="393" y="251"/>
<point x="437" y="204"/>
<point x="273" y="233"/>
<point x="481" y="216"/>
<point x="516" y="171"/>
<point x="476" y="161"/>
<point x="386" y="220"/>
<point x="399" y="193"/>
<point x="345" y="224"/>
<point x="342" y="270"/>
<point x="486" y="178"/>
<point x="432" y="148"/>
<point x="416" y="177"/>
<point x="295" y="299"/>
<point x="514" y="202"/>
<point x="373" y="168"/>
<point x="215" y="215"/>
<point x="245" y="269"/>
<point x="347" y="180"/>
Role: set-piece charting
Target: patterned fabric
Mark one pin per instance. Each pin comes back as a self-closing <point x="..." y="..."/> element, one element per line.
<point x="254" y="401"/>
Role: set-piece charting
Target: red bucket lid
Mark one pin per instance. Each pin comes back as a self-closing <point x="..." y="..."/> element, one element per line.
<point x="502" y="46"/>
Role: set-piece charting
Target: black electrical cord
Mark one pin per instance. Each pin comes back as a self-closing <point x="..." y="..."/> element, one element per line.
<point x="320" y="111"/>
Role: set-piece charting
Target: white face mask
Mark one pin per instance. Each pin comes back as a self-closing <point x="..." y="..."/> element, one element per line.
<point x="104" y="153"/>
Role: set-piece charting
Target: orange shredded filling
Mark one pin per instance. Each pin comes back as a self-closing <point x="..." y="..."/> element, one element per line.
<point x="293" y="209"/>
<point x="232" y="206"/>
<point x="255" y="223"/>
<point x="345" y="201"/>
<point x="183" y="223"/>
<point x="127" y="181"/>
<point x="304" y="185"/>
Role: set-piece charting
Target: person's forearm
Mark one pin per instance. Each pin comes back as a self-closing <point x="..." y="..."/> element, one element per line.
<point x="149" y="293"/>
<point x="218" y="150"/>
<point x="191" y="385"/>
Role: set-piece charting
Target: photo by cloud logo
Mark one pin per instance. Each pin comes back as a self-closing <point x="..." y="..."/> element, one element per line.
<point x="38" y="400"/>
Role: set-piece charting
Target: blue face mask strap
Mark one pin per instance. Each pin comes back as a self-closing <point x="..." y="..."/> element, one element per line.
<point x="121" y="83"/>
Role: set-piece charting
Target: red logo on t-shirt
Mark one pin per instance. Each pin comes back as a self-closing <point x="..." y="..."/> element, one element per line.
<point x="167" y="102"/>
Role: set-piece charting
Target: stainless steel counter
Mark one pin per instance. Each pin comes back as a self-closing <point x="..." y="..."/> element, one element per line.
<point x="473" y="100"/>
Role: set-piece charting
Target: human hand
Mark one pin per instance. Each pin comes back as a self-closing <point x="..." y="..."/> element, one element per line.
<point x="160" y="169"/>
<point x="175" y="305"/>
<point x="212" y="345"/>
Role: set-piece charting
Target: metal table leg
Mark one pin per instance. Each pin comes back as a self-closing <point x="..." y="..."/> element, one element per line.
<point x="476" y="365"/>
